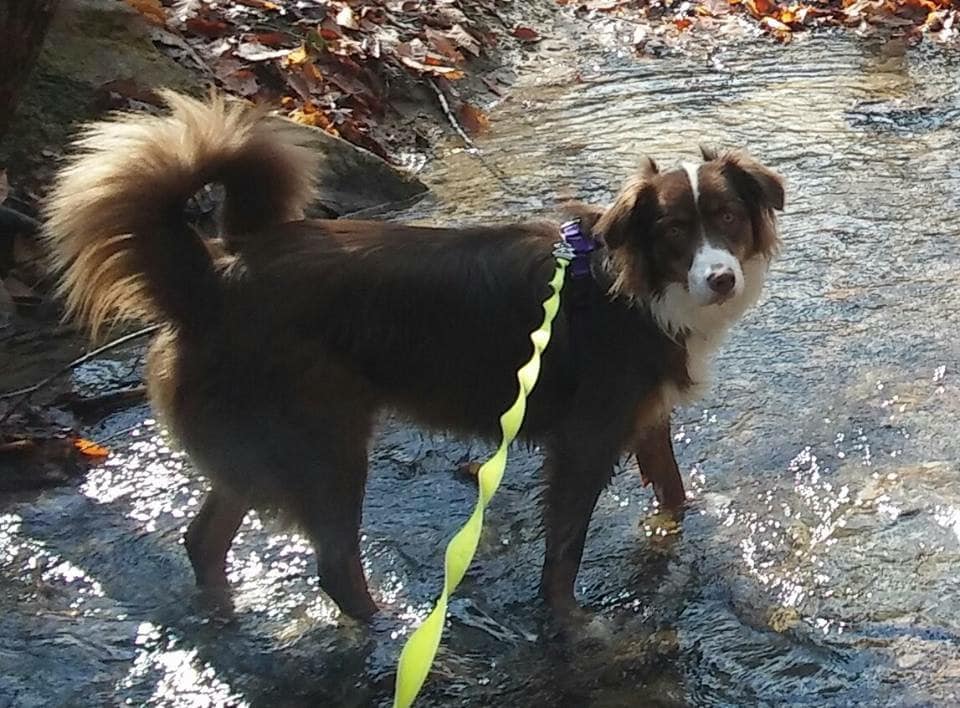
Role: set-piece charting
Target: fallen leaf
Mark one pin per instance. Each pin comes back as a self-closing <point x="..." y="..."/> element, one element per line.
<point x="447" y="72"/>
<point x="297" y="56"/>
<point x="474" y="120"/>
<point x="450" y="16"/>
<point x="353" y="87"/>
<point x="254" y="51"/>
<point x="207" y="27"/>
<point x="443" y="45"/>
<point x="526" y="34"/>
<point x="414" y="49"/>
<point x="272" y="39"/>
<point x="683" y="23"/>
<point x="310" y="114"/>
<point x="464" y="40"/>
<point x="152" y="10"/>
<point x="243" y="82"/>
<point x="260" y="4"/>
<point x="300" y="85"/>
<point x="774" y="25"/>
<point x="90" y="448"/>
<point x="759" y="8"/>
<point x="372" y="47"/>
<point x="402" y="6"/>
<point x="346" y="18"/>
<point x="776" y="28"/>
<point x="604" y="5"/>
<point x="329" y="33"/>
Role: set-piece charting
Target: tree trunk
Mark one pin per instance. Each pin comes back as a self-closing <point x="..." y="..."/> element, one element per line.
<point x="23" y="25"/>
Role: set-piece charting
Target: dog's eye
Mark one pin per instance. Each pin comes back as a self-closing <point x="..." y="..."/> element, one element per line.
<point x="675" y="232"/>
<point x="726" y="217"/>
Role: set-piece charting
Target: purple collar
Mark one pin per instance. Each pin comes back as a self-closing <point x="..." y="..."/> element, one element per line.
<point x="579" y="246"/>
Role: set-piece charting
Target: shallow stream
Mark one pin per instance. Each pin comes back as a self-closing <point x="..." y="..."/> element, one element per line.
<point x="819" y="562"/>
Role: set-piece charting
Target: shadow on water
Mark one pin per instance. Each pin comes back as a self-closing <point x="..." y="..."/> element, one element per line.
<point x="818" y="562"/>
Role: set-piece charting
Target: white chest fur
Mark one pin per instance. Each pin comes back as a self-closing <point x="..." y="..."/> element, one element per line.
<point x="703" y="328"/>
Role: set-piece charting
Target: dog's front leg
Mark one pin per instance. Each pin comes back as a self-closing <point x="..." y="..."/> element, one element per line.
<point x="658" y="465"/>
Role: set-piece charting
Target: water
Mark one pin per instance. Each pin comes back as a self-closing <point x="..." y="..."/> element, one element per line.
<point x="818" y="562"/>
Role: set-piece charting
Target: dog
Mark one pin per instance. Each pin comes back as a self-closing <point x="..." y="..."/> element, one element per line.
<point x="275" y="357"/>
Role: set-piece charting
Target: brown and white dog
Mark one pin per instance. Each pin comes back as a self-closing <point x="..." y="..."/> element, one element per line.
<point x="275" y="360"/>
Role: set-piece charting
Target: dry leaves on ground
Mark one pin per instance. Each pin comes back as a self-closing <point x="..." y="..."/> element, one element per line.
<point x="781" y="19"/>
<point x="329" y="64"/>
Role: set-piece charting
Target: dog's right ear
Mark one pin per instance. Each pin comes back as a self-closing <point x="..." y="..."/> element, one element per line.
<point x="588" y="214"/>
<point x="633" y="212"/>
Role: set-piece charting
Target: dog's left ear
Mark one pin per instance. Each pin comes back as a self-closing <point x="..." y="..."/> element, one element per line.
<point x="757" y="184"/>
<point x="761" y="189"/>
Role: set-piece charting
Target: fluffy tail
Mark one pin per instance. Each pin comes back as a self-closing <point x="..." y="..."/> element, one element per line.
<point x="116" y="223"/>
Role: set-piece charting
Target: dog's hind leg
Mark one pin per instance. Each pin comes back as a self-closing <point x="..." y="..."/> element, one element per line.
<point x="579" y="463"/>
<point x="574" y="483"/>
<point x="328" y="507"/>
<point x="210" y="534"/>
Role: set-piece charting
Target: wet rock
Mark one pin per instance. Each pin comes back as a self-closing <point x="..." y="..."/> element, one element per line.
<point x="783" y="619"/>
<point x="352" y="180"/>
<point x="896" y="116"/>
<point x="38" y="462"/>
<point x="909" y="661"/>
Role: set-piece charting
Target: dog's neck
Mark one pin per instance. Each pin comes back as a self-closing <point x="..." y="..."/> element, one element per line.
<point x="678" y="314"/>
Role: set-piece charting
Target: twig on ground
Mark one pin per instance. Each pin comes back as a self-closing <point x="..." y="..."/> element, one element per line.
<point x="445" y="105"/>
<point x="27" y="393"/>
<point x="471" y="146"/>
<point x="95" y="405"/>
<point x="118" y="434"/>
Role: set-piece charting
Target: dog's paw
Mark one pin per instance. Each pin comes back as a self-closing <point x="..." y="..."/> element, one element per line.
<point x="581" y="629"/>
<point x="216" y="602"/>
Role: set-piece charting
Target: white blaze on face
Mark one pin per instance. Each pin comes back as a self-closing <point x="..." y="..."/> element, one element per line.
<point x="709" y="259"/>
<point x="693" y="174"/>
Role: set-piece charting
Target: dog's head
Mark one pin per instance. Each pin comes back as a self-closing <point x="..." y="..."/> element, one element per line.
<point x="693" y="242"/>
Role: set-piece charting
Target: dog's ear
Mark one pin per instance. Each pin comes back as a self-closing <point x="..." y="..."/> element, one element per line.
<point x="709" y="153"/>
<point x="648" y="167"/>
<point x="588" y="214"/>
<point x="757" y="184"/>
<point x="762" y="191"/>
<point x="632" y="214"/>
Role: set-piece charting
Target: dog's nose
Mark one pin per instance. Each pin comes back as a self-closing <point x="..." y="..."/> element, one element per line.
<point x="721" y="281"/>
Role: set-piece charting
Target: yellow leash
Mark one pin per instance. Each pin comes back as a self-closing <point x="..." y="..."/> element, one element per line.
<point x="421" y="648"/>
